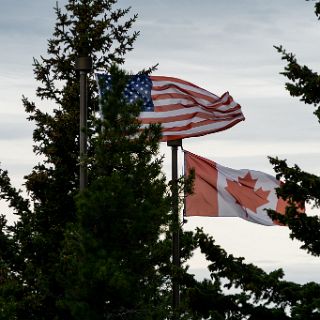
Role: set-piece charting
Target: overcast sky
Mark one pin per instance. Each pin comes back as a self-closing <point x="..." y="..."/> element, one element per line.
<point x="221" y="46"/>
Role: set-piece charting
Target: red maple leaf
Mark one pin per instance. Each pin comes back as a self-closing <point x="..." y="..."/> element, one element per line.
<point x="245" y="194"/>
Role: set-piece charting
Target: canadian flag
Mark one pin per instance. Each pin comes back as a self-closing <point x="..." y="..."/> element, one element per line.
<point x="223" y="192"/>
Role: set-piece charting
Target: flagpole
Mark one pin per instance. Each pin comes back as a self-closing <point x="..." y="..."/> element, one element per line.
<point x="83" y="65"/>
<point x="174" y="144"/>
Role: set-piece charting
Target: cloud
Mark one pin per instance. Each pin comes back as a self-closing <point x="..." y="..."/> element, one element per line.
<point x="15" y="129"/>
<point x="293" y="272"/>
<point x="229" y="38"/>
<point x="30" y="19"/>
<point x="218" y="45"/>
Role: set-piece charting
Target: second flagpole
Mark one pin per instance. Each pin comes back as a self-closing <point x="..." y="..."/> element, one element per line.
<point x="175" y="144"/>
<point x="84" y="66"/>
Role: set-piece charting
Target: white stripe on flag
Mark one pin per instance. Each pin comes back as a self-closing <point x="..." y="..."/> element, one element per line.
<point x="202" y="129"/>
<point x="190" y="87"/>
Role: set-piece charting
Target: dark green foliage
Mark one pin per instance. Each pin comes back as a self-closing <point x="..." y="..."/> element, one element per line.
<point x="8" y="280"/>
<point x="39" y="231"/>
<point x="300" y="186"/>
<point x="316" y="8"/>
<point x="244" y="291"/>
<point x="115" y="248"/>
<point x="208" y="301"/>
<point x="105" y="253"/>
<point x="305" y="83"/>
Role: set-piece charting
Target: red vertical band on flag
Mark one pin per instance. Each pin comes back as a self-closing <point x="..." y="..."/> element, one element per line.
<point x="204" y="200"/>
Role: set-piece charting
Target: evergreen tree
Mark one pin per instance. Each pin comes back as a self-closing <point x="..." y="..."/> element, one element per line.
<point x="260" y="295"/>
<point x="115" y="248"/>
<point x="8" y="281"/>
<point x="238" y="290"/>
<point x="106" y="254"/>
<point x="301" y="186"/>
<point x="39" y="231"/>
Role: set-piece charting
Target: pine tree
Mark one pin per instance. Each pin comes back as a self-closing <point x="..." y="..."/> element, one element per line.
<point x="41" y="221"/>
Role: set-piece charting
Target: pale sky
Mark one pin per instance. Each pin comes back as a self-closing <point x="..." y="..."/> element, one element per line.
<point x="218" y="45"/>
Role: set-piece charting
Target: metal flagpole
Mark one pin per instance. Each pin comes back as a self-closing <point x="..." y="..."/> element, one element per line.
<point x="83" y="65"/>
<point x="174" y="144"/>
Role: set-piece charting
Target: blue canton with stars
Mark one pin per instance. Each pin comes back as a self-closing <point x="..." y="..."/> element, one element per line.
<point x="138" y="88"/>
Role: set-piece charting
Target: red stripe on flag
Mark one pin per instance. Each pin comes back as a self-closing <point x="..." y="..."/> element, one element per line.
<point x="189" y="116"/>
<point x="167" y="136"/>
<point x="192" y="125"/>
<point x="175" y="80"/>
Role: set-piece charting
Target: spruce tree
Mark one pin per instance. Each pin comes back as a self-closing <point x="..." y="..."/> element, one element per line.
<point x="106" y="254"/>
<point x="260" y="295"/>
<point x="116" y="247"/>
<point x="238" y="290"/>
<point x="52" y="185"/>
<point x="300" y="186"/>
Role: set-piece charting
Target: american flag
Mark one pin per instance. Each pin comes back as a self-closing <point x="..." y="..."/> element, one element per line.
<point x="183" y="109"/>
